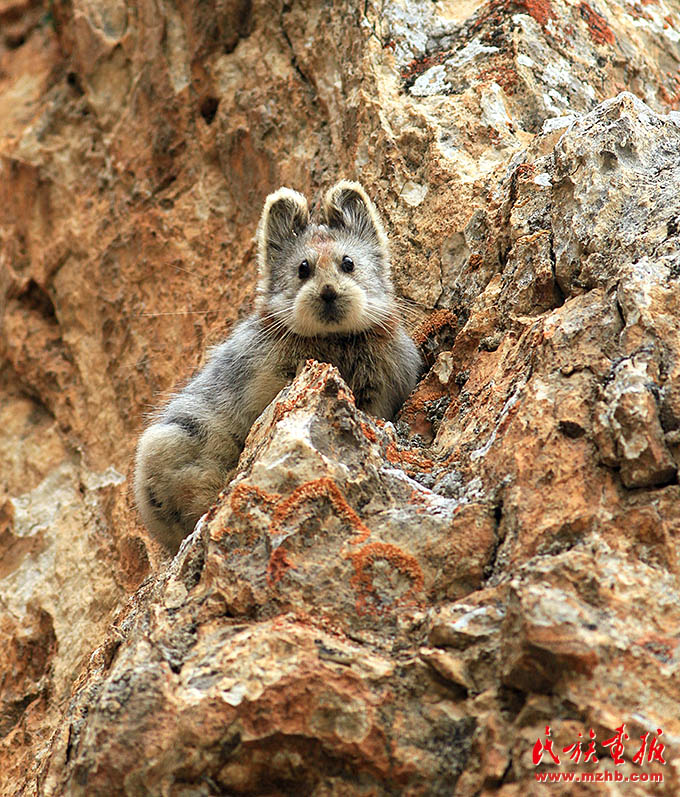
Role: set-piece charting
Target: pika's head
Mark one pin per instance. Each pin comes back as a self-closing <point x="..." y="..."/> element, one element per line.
<point x="327" y="278"/>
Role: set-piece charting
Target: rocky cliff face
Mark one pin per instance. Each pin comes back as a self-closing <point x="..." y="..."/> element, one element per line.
<point x="369" y="609"/>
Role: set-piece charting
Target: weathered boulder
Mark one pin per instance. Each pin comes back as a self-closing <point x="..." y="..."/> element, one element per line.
<point x="288" y="624"/>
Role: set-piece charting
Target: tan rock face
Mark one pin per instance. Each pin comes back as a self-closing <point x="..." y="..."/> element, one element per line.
<point x="369" y="608"/>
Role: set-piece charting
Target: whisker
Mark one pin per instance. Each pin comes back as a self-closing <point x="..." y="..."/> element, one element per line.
<point x="409" y="311"/>
<point x="186" y="270"/>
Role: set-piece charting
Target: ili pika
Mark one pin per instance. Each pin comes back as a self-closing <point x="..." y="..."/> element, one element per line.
<point x="324" y="292"/>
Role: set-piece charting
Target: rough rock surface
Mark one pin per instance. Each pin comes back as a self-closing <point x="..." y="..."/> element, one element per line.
<point x="370" y="608"/>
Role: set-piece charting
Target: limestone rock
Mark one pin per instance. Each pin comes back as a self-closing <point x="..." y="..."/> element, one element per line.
<point x="626" y="206"/>
<point x="628" y="420"/>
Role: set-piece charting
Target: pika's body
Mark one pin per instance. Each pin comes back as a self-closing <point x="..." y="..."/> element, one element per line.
<point x="324" y="293"/>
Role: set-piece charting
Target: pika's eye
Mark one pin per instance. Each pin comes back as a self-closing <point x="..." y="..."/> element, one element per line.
<point x="347" y="264"/>
<point x="303" y="270"/>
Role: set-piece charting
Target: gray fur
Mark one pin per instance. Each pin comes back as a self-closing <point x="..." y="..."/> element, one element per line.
<point x="184" y="457"/>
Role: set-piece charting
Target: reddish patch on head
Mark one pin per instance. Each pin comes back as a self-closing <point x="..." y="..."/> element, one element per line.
<point x="320" y="239"/>
<point x="323" y="245"/>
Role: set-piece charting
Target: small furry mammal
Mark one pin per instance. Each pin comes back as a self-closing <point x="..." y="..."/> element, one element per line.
<point x="325" y="293"/>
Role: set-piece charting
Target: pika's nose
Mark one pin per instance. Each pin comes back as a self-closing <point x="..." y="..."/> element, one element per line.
<point x="329" y="294"/>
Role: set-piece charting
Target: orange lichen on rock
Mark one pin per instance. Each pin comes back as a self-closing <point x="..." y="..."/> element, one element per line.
<point x="279" y="563"/>
<point x="243" y="493"/>
<point x="212" y="511"/>
<point x="418" y="499"/>
<point x="498" y="10"/>
<point x="415" y="410"/>
<point x="600" y="31"/>
<point x="540" y="10"/>
<point x="419" y="65"/>
<point x="502" y="73"/>
<point x="661" y="647"/>
<point x="428" y="391"/>
<point x="362" y="580"/>
<point x="368" y="432"/>
<point x="318" y="488"/>
<point x="525" y="171"/>
<point x="284" y="406"/>
<point x="672" y="99"/>
<point x="321" y="376"/>
<point x="218" y="533"/>
<point x="432" y="325"/>
<point x="637" y="13"/>
<point x="404" y="457"/>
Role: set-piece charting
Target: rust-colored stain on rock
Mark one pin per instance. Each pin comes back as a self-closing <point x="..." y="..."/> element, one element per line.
<point x="365" y="559"/>
<point x="597" y="25"/>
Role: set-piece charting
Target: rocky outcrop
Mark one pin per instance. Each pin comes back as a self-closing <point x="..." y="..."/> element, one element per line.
<point x="370" y="608"/>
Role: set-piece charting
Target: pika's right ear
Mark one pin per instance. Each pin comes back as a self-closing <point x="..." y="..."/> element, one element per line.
<point x="347" y="206"/>
<point x="285" y="215"/>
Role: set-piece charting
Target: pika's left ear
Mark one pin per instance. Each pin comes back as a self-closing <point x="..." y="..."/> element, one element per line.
<point x="285" y="215"/>
<point x="347" y="206"/>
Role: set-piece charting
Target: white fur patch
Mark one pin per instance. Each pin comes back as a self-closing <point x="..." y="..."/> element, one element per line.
<point x="307" y="319"/>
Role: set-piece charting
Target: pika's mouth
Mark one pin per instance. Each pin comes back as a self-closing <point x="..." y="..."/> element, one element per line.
<point x="330" y="314"/>
<point x="331" y="308"/>
<point x="328" y="311"/>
